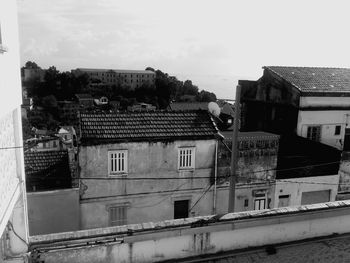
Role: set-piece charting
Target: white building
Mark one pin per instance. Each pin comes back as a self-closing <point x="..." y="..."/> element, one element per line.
<point x="13" y="210"/>
<point x="324" y="101"/>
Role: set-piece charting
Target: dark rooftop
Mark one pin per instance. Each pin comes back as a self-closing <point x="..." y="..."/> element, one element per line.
<point x="84" y="96"/>
<point x="255" y="135"/>
<point x="47" y="170"/>
<point x="183" y="106"/>
<point x="301" y="157"/>
<point x="144" y="126"/>
<point x="315" y="80"/>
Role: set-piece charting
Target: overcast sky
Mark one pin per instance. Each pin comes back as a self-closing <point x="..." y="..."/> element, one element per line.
<point x="213" y="43"/>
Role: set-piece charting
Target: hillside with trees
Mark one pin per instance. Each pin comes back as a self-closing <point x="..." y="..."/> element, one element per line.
<point x="62" y="86"/>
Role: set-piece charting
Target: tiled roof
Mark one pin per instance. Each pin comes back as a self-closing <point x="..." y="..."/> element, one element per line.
<point x="117" y="70"/>
<point x="47" y="170"/>
<point x="39" y="161"/>
<point x="315" y="80"/>
<point x="255" y="135"/>
<point x="183" y="106"/>
<point x="140" y="126"/>
<point x="84" y="96"/>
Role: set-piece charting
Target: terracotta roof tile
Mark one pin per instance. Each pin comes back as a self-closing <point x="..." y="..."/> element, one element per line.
<point x="155" y="125"/>
<point x="315" y="80"/>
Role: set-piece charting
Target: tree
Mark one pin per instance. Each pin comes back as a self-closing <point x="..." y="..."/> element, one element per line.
<point x="31" y="64"/>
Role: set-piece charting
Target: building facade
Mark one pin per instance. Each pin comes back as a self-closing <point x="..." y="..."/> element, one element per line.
<point x="128" y="78"/>
<point x="256" y="170"/>
<point x="311" y="102"/>
<point x="146" y="166"/>
<point x="13" y="204"/>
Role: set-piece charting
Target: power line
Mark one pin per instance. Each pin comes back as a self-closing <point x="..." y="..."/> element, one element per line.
<point x="210" y="185"/>
<point x="162" y="200"/>
<point x="198" y="177"/>
<point x="14" y="231"/>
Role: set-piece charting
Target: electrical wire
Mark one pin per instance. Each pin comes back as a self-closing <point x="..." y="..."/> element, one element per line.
<point x="198" y="177"/>
<point x="164" y="199"/>
<point x="14" y="231"/>
<point x="203" y="194"/>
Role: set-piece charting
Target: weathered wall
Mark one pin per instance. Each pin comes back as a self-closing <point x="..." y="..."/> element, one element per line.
<point x="344" y="174"/>
<point x="270" y="104"/>
<point x="255" y="172"/>
<point x="183" y="238"/>
<point x="156" y="160"/>
<point x="53" y="211"/>
<point x="294" y="187"/>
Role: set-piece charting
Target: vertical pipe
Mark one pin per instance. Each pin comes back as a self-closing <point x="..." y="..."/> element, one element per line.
<point x="232" y="193"/>
<point x="215" y="177"/>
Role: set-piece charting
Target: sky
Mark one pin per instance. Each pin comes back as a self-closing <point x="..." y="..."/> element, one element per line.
<point x="212" y="43"/>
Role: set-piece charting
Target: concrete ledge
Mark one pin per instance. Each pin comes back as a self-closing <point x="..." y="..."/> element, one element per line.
<point x="198" y="224"/>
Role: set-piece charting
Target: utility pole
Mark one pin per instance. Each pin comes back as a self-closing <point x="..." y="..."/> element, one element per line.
<point x="232" y="194"/>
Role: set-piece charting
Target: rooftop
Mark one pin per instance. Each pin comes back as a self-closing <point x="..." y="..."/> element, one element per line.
<point x="116" y="70"/>
<point x="315" y="80"/>
<point x="181" y="106"/>
<point x="83" y="96"/>
<point x="255" y="135"/>
<point x="47" y="170"/>
<point x="146" y="126"/>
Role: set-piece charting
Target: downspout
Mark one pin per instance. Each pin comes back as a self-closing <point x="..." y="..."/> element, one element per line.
<point x="215" y="177"/>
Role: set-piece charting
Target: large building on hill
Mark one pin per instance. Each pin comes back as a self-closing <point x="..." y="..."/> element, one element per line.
<point x="311" y="102"/>
<point x="128" y="78"/>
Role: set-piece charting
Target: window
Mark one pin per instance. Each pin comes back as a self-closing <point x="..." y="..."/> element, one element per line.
<point x="283" y="200"/>
<point x="260" y="199"/>
<point x="117" y="162"/>
<point x="186" y="158"/>
<point x="181" y="208"/>
<point x="313" y="133"/>
<point x="337" y="130"/>
<point x="117" y="215"/>
<point x="54" y="144"/>
<point x="246" y="202"/>
<point x="259" y="203"/>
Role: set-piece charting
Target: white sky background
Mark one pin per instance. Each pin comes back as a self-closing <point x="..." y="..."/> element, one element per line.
<point x="213" y="43"/>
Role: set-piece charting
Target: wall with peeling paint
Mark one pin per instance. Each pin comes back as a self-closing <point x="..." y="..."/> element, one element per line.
<point x="146" y="200"/>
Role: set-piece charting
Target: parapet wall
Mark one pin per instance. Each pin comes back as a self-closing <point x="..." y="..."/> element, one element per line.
<point x="182" y="238"/>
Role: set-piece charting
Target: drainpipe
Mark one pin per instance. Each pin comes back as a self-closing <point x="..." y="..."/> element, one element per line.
<point x="215" y="177"/>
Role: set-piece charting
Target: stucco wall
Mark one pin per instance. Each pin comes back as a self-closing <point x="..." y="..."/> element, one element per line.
<point x="145" y="159"/>
<point x="294" y="187"/>
<point x="324" y="101"/>
<point x="53" y="211"/>
<point x="184" y="238"/>
<point x="328" y="119"/>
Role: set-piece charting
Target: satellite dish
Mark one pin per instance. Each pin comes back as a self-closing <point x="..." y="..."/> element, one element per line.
<point x="214" y="109"/>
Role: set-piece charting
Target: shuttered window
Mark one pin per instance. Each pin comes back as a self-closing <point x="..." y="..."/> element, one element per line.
<point x="186" y="159"/>
<point x="117" y="162"/>
<point x="117" y="215"/>
<point x="314" y="133"/>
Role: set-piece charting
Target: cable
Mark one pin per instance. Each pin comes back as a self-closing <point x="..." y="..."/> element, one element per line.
<point x="13" y="230"/>
<point x="162" y="200"/>
<point x="198" y="177"/>
<point x="13" y="147"/>
<point x="210" y="185"/>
